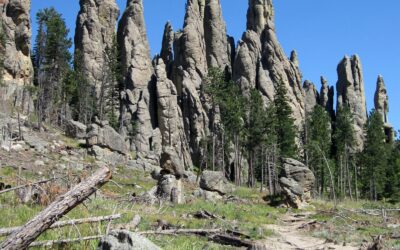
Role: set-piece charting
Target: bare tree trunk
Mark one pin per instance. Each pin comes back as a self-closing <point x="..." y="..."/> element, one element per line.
<point x="22" y="238"/>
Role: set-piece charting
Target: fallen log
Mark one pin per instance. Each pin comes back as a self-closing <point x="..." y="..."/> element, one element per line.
<point x="8" y="231"/>
<point x="182" y="231"/>
<point x="25" y="235"/>
<point x="27" y="185"/>
<point x="50" y="243"/>
<point x="226" y="239"/>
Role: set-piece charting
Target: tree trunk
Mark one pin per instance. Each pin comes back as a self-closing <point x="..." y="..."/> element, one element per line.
<point x="61" y="206"/>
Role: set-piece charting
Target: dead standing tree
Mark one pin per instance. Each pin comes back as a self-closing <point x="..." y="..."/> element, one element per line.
<point x="24" y="236"/>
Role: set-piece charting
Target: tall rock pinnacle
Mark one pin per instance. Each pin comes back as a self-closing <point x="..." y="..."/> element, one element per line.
<point x="167" y="48"/>
<point x="18" y="69"/>
<point x="326" y="96"/>
<point x="261" y="62"/>
<point x="311" y="96"/>
<point x="381" y="99"/>
<point x="201" y="44"/>
<point x="94" y="34"/>
<point x="138" y="112"/>
<point x="351" y="94"/>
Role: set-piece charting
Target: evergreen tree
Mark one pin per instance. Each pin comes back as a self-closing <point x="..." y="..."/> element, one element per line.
<point x="374" y="157"/>
<point x="392" y="185"/>
<point x="286" y="130"/>
<point x="344" y="141"/>
<point x="52" y="64"/>
<point x="318" y="145"/>
<point x="2" y="51"/>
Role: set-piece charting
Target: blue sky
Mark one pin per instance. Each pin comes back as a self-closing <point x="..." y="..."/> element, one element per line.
<point x="322" y="32"/>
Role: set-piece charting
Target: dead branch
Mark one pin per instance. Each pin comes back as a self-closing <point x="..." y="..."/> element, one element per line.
<point x="27" y="185"/>
<point x="50" y="243"/>
<point x="25" y="235"/>
<point x="202" y="231"/>
<point x="8" y="231"/>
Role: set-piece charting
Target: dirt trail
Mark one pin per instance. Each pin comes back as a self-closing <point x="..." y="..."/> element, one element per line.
<point x="289" y="235"/>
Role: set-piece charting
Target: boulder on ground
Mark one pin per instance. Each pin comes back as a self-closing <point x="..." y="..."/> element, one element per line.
<point x="296" y="182"/>
<point x="171" y="163"/>
<point x="107" y="156"/>
<point x="215" y="181"/>
<point x="105" y="136"/>
<point x="75" y="129"/>
<point x="125" y="240"/>
<point x="170" y="188"/>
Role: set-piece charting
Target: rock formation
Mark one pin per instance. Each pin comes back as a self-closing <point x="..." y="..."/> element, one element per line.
<point x="195" y="52"/>
<point x="167" y="48"/>
<point x="18" y="69"/>
<point x="381" y="102"/>
<point x="296" y="182"/>
<point x="261" y="62"/>
<point x="326" y="96"/>
<point x="311" y="96"/>
<point x="94" y="35"/>
<point x="138" y="104"/>
<point x="123" y="239"/>
<point x="350" y="94"/>
<point x="170" y="116"/>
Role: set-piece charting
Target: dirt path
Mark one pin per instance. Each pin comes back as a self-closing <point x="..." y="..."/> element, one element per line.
<point x="289" y="235"/>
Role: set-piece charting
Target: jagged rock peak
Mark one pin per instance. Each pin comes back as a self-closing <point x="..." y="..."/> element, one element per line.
<point x="326" y="97"/>
<point x="18" y="69"/>
<point x="294" y="58"/>
<point x="167" y="48"/>
<point x="351" y="94"/>
<point x="94" y="34"/>
<point x="311" y="96"/>
<point x="260" y="15"/>
<point x="217" y="46"/>
<point x="138" y="114"/>
<point x="381" y="99"/>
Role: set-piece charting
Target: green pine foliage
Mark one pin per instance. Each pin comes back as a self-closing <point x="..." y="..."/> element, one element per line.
<point x="286" y="129"/>
<point x="374" y="158"/>
<point x="318" y="146"/>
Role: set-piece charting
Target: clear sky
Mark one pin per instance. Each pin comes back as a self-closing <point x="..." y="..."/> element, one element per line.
<point x="322" y="32"/>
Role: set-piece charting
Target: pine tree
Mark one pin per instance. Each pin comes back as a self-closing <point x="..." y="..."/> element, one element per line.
<point x="286" y="130"/>
<point x="374" y="157"/>
<point x="318" y="145"/>
<point x="52" y="63"/>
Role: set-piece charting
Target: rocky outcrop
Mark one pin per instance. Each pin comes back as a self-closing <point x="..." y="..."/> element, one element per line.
<point x="381" y="99"/>
<point x="296" y="182"/>
<point x="138" y="112"/>
<point x="170" y="119"/>
<point x="214" y="181"/>
<point x="18" y="70"/>
<point x="351" y="94"/>
<point x="326" y="96"/>
<point x="75" y="129"/>
<point x="261" y="62"/>
<point x="381" y="102"/>
<point x="311" y="96"/>
<point x="167" y="48"/>
<point x="124" y="240"/>
<point x="94" y="35"/>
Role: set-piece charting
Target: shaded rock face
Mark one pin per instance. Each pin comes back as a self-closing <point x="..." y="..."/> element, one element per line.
<point x="296" y="182"/>
<point x="75" y="129"/>
<point x="326" y="97"/>
<point x="138" y="110"/>
<point x="125" y="240"/>
<point x="170" y="119"/>
<point x="261" y="62"/>
<point x="94" y="34"/>
<point x="105" y="136"/>
<point x="381" y="99"/>
<point x="167" y="48"/>
<point x="351" y="94"/>
<point x="311" y="96"/>
<point x="18" y="69"/>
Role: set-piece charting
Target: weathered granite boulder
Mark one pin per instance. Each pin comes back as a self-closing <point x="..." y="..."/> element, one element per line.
<point x="75" y="129"/>
<point x="215" y="182"/>
<point x="311" y="96"/>
<point x="296" y="182"/>
<point x="171" y="163"/>
<point x="125" y="240"/>
<point x="170" y="188"/>
<point x="106" y="137"/>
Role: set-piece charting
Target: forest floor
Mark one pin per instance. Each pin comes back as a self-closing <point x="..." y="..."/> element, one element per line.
<point x="350" y="226"/>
